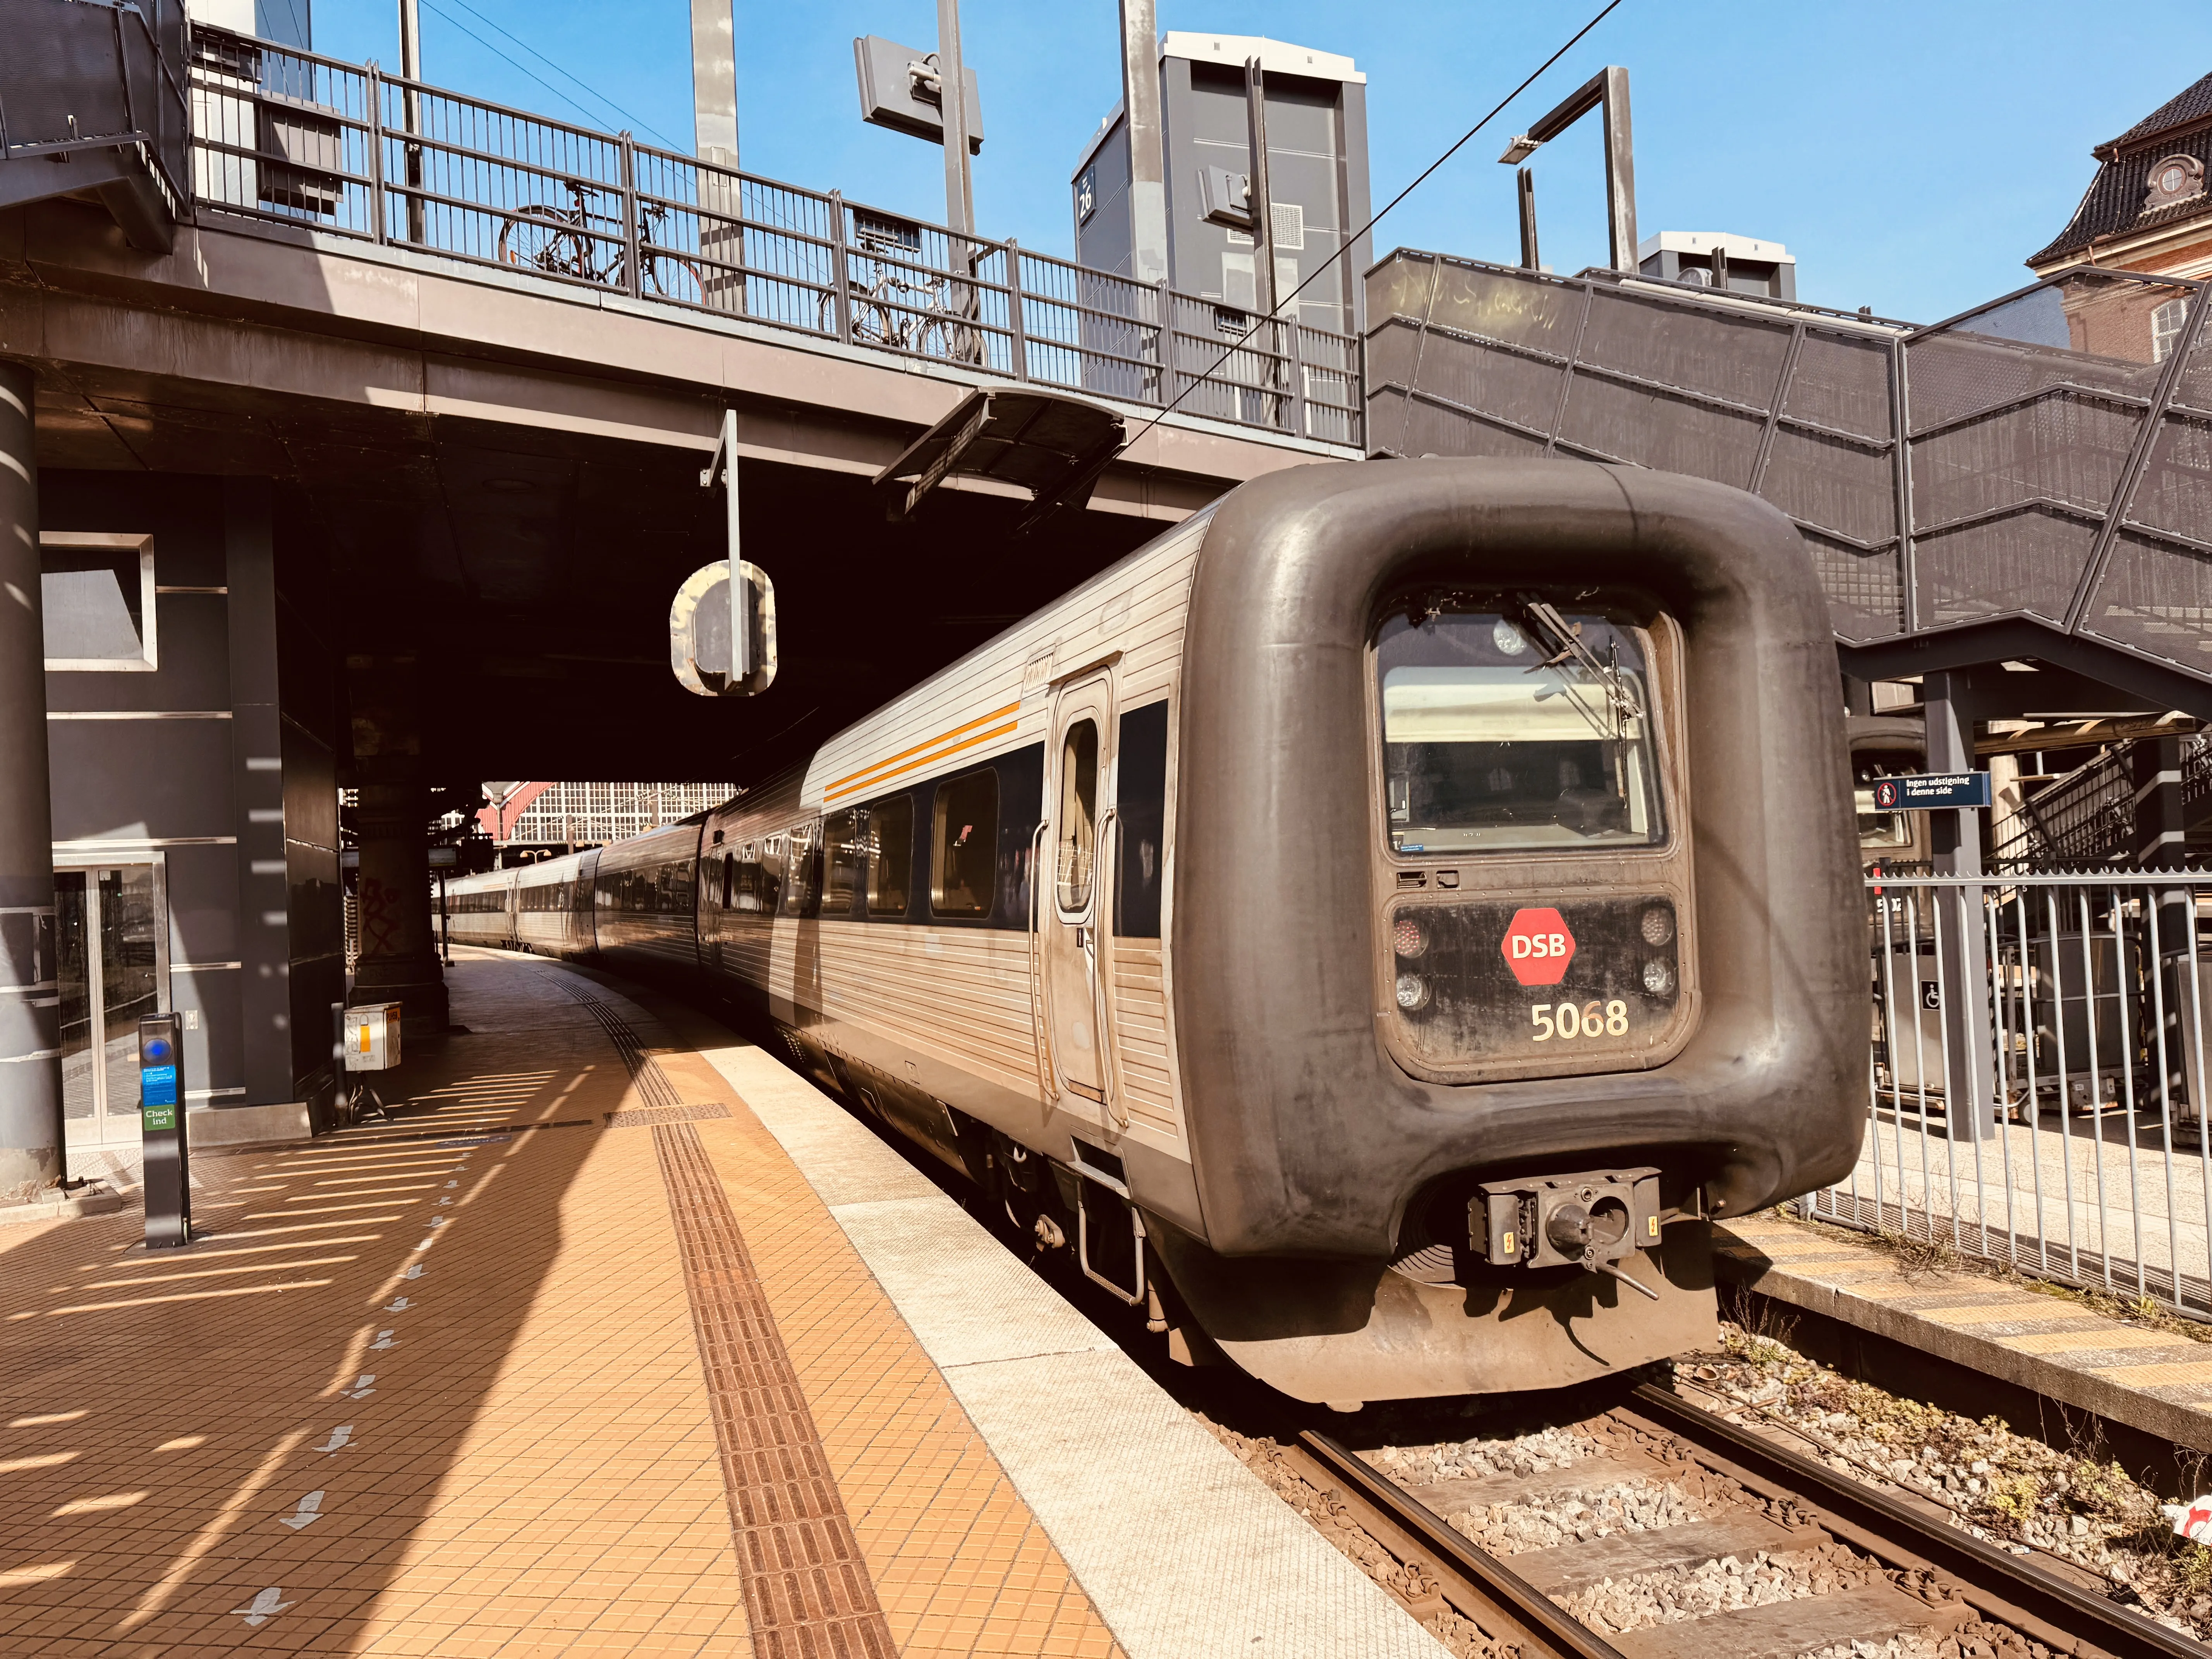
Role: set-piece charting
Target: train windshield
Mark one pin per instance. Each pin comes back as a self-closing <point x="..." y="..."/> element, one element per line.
<point x="1509" y="730"/>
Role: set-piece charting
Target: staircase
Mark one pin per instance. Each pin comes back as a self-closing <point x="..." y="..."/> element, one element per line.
<point x="2086" y="817"/>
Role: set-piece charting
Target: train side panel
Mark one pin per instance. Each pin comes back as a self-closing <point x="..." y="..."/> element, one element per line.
<point x="912" y="1010"/>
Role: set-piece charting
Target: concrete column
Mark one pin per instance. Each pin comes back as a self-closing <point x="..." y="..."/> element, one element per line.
<point x="399" y="959"/>
<point x="264" y="936"/>
<point x="30" y="1011"/>
<point x="1969" y="1034"/>
<point x="1141" y="106"/>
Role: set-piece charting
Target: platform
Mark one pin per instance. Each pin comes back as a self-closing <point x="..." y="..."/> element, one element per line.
<point x="622" y="1339"/>
<point x="2155" y="1380"/>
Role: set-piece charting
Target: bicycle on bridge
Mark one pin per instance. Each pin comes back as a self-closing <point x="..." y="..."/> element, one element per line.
<point x="575" y="242"/>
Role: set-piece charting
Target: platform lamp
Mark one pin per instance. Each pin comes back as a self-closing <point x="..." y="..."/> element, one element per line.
<point x="1606" y="91"/>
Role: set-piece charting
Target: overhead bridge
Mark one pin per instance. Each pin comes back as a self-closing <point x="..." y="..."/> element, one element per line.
<point x="2032" y="480"/>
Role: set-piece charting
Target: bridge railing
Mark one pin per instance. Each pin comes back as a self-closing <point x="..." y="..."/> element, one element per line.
<point x="291" y="137"/>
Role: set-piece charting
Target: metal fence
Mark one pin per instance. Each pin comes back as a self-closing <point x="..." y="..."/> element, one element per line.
<point x="2040" y="458"/>
<point x="288" y="137"/>
<point x="2037" y="1076"/>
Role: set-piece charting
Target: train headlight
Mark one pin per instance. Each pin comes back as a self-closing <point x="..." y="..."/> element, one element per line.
<point x="1659" y="976"/>
<point x="1658" y="925"/>
<point x="1412" y="992"/>
<point x="1407" y="937"/>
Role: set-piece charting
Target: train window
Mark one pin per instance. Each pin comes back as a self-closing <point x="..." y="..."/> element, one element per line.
<point x="1499" y="736"/>
<point x="1076" y="829"/>
<point x="842" y="845"/>
<point x="1878" y="829"/>
<point x="729" y="879"/>
<point x="965" y="851"/>
<point x="1140" y="795"/>
<point x="802" y="886"/>
<point x="890" y="857"/>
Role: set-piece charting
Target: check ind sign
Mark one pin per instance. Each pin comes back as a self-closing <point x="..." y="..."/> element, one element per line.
<point x="1926" y="792"/>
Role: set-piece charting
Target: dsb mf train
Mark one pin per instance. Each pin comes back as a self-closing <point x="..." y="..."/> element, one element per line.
<point x="1375" y="926"/>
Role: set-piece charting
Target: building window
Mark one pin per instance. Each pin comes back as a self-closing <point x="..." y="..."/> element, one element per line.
<point x="97" y="593"/>
<point x="2166" y="325"/>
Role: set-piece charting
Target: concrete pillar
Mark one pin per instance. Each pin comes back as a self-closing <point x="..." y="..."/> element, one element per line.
<point x="264" y="935"/>
<point x="399" y="959"/>
<point x="1969" y="1034"/>
<point x="30" y="1011"/>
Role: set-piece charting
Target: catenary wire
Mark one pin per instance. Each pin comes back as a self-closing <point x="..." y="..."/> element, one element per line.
<point x="1352" y="240"/>
<point x="565" y="98"/>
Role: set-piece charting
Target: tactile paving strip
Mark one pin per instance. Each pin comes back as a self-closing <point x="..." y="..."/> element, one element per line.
<point x="807" y="1591"/>
<point x="808" y="1595"/>
<point x="639" y="1116"/>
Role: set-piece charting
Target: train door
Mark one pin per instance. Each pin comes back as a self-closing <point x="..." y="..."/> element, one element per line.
<point x="1074" y="910"/>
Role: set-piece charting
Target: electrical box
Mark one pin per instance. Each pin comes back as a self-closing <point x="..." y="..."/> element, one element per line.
<point x="371" y="1037"/>
<point x="1315" y="109"/>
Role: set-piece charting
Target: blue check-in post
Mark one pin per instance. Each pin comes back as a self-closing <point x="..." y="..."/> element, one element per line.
<point x="168" y="1176"/>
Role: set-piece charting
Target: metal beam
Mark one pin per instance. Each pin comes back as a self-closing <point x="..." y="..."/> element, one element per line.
<point x="1257" y="196"/>
<point x="713" y="82"/>
<point x="952" y="100"/>
<point x="1140" y="106"/>
<point x="1606" y="90"/>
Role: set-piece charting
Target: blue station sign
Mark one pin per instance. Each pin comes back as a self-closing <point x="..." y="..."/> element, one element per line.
<point x="1930" y="791"/>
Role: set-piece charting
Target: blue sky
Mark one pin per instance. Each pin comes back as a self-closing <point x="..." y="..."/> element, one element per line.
<point x="1911" y="155"/>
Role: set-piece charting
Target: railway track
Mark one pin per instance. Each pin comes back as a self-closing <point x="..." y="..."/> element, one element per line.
<point x="1768" y="1554"/>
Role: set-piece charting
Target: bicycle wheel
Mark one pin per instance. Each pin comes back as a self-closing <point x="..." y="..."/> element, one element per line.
<point x="542" y="237"/>
<point x="950" y="339"/>
<point x="870" y="325"/>
<point x="674" y="277"/>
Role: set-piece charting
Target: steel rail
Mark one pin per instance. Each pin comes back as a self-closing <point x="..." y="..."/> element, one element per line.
<point x="2082" y="1614"/>
<point x="1496" y="1582"/>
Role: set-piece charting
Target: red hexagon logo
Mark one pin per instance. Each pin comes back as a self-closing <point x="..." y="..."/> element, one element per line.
<point x="1538" y="947"/>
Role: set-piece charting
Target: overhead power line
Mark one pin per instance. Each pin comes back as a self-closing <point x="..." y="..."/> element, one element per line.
<point x="638" y="122"/>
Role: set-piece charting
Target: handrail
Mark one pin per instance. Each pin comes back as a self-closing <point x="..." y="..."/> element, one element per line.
<point x="357" y="152"/>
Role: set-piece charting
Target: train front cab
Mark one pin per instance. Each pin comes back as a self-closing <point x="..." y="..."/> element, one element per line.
<point x="1516" y="929"/>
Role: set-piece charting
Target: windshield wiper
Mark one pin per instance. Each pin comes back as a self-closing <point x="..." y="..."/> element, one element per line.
<point x="1568" y="636"/>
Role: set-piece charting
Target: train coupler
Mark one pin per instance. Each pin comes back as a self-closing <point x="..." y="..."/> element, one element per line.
<point x="1594" y="1220"/>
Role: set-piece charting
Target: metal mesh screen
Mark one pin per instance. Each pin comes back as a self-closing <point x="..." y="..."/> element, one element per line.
<point x="2037" y="486"/>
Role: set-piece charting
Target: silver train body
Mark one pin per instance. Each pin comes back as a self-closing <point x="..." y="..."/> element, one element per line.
<point x="1375" y="926"/>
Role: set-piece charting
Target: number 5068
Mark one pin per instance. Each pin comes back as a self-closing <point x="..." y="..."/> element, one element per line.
<point x="1588" y="1019"/>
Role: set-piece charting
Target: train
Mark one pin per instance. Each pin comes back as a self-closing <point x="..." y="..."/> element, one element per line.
<point x="1376" y="927"/>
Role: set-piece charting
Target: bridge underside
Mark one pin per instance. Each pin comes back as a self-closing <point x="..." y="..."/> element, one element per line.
<point x="528" y="575"/>
<point x="492" y="482"/>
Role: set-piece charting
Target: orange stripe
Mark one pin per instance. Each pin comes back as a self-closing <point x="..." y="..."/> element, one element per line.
<point x="954" y="748"/>
<point x="838" y="785"/>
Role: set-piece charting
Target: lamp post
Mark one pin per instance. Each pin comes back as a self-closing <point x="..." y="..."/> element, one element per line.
<point x="1607" y="91"/>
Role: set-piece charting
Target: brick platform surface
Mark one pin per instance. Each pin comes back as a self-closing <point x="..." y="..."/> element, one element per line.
<point x="496" y="1378"/>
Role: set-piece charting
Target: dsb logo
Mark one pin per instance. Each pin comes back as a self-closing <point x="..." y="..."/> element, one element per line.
<point x="1538" y="945"/>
